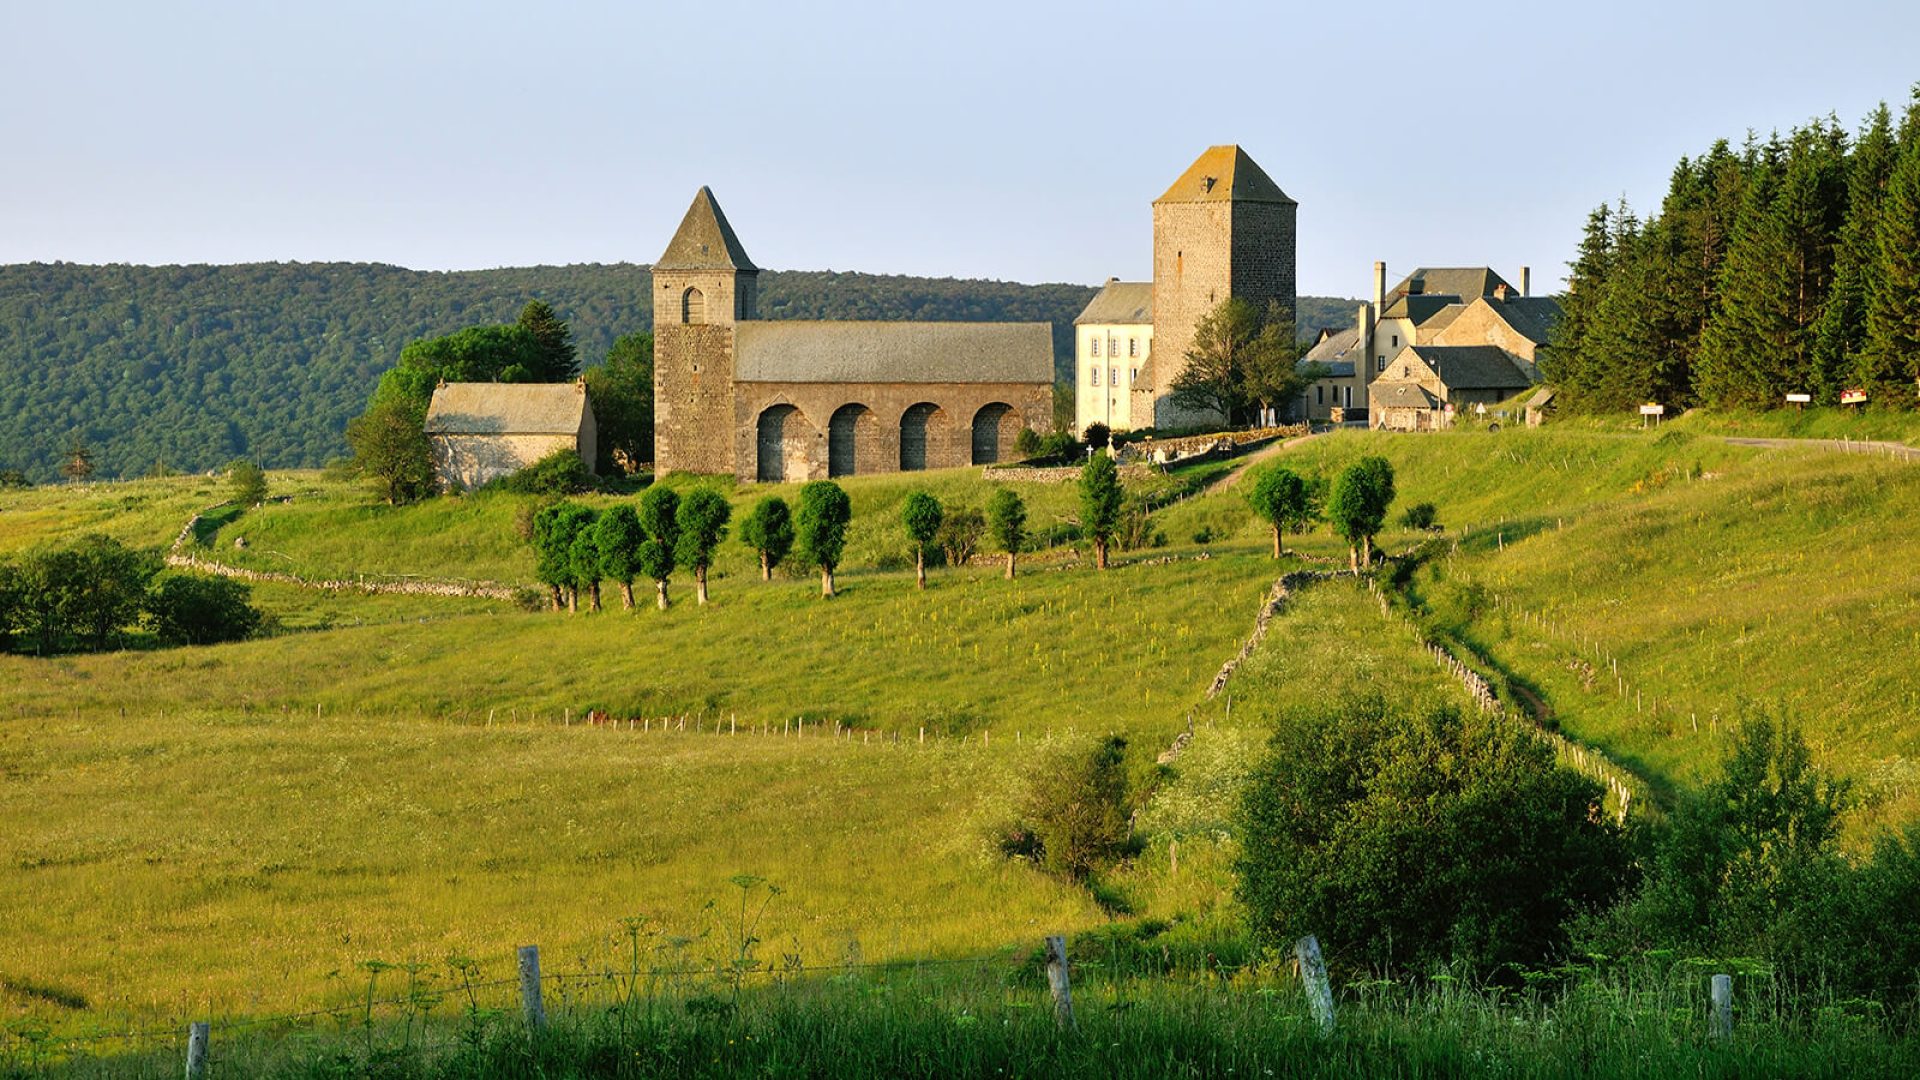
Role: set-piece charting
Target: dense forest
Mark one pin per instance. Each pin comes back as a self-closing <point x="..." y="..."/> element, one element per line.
<point x="1789" y="265"/>
<point x="192" y="366"/>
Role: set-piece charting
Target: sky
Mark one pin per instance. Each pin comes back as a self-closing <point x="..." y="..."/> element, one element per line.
<point x="1017" y="141"/>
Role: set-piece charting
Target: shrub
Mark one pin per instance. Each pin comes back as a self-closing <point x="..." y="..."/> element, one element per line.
<point x="248" y="483"/>
<point x="13" y="479"/>
<point x="187" y="609"/>
<point x="1074" y="819"/>
<point x="559" y="473"/>
<point x="1097" y="435"/>
<point x="1405" y="841"/>
<point x="84" y="593"/>
<point x="1421" y="516"/>
<point x="961" y="529"/>
<point x="1027" y="443"/>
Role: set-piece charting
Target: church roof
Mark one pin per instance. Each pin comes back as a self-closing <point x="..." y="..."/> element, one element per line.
<point x="1119" y="302"/>
<point x="1472" y="367"/>
<point x="1461" y="282"/>
<point x="1222" y="174"/>
<point x="807" y="351"/>
<point x="507" y="409"/>
<point x="704" y="240"/>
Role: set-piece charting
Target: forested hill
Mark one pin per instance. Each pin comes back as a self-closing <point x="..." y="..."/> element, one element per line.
<point x="196" y="365"/>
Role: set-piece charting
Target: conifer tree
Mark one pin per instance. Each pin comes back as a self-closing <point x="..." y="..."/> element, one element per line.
<point x="1568" y="359"/>
<point x="553" y="343"/>
<point x="1840" y="337"/>
<point x="1748" y="339"/>
<point x="1893" y="291"/>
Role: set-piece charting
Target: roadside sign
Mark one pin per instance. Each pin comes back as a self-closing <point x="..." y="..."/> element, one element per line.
<point x="1853" y="397"/>
<point x="1799" y="399"/>
<point x="1653" y="410"/>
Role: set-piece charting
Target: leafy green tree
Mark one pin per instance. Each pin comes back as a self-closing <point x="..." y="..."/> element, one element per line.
<point x="553" y="352"/>
<point x="660" y="520"/>
<point x="14" y="479"/>
<point x="390" y="446"/>
<point x="961" y="528"/>
<point x="618" y="536"/>
<point x="247" y="482"/>
<point x="703" y="525"/>
<point x="85" y="593"/>
<point x="1358" y="506"/>
<point x="1283" y="499"/>
<point x="1007" y="518"/>
<point x="508" y="353"/>
<point x="1100" y="502"/>
<point x="12" y="603"/>
<point x="1408" y="841"/>
<point x="554" y="528"/>
<point x="769" y="532"/>
<point x="188" y="609"/>
<point x="621" y="390"/>
<point x="921" y="514"/>
<point x="585" y="559"/>
<point x="820" y="527"/>
<point x="1097" y="435"/>
<point x="561" y="472"/>
<point x="79" y="463"/>
<point x="1077" y="808"/>
<point x="1241" y="356"/>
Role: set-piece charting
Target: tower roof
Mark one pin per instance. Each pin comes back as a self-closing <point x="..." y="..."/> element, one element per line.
<point x="704" y="240"/>
<point x="1225" y="174"/>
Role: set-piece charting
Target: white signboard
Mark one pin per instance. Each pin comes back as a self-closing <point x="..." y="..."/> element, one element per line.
<point x="1799" y="399"/>
<point x="1653" y="410"/>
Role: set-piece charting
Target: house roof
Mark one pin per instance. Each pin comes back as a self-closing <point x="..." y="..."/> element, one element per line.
<point x="1333" y="346"/>
<point x="1460" y="282"/>
<point x="1400" y="395"/>
<point x="507" y="409"/>
<point x="1119" y="302"/>
<point x="1532" y="317"/>
<point x="1472" y="367"/>
<point x="1419" y="308"/>
<point x="796" y="350"/>
<point x="1224" y="174"/>
<point x="704" y="240"/>
<point x="1336" y="369"/>
<point x="1540" y="398"/>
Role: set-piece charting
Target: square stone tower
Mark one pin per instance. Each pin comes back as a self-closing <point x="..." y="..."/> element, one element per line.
<point x="1223" y="229"/>
<point x="702" y="286"/>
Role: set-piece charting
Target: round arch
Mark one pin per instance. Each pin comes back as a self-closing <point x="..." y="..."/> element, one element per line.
<point x="922" y="426"/>
<point x="995" y="427"/>
<point x="782" y="439"/>
<point x="853" y="437"/>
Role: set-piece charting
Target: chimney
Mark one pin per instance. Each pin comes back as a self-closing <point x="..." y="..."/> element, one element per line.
<point x="1526" y="280"/>
<point x="1379" y="286"/>
<point x="1416" y="286"/>
<point x="1500" y="292"/>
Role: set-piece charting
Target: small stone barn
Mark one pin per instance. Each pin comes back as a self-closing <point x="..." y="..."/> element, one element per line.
<point x="482" y="431"/>
<point x="1425" y="385"/>
<point x="783" y="399"/>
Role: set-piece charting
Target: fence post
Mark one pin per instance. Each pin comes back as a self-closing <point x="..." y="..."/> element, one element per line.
<point x="1057" y="981"/>
<point x="197" y="1050"/>
<point x="1313" y="975"/>
<point x="1722" y="1025"/>
<point x="530" y="1003"/>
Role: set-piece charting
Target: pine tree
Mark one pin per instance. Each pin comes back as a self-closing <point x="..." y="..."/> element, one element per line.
<point x="553" y="341"/>
<point x="1748" y="340"/>
<point x="1842" y="333"/>
<point x="1568" y="360"/>
<point x="1887" y="363"/>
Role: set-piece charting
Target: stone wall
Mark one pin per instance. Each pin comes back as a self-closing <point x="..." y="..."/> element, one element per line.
<point x="469" y="461"/>
<point x="693" y="405"/>
<point x="877" y="434"/>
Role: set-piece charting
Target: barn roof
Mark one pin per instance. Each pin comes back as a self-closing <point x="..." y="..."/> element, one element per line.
<point x="1118" y="303"/>
<point x="507" y="409"/>
<point x="796" y="350"/>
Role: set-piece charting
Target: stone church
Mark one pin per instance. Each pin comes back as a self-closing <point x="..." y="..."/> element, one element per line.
<point x="796" y="399"/>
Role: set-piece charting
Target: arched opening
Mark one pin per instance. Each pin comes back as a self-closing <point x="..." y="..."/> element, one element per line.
<point x="921" y="425"/>
<point x="995" y="427"/>
<point x="853" y="436"/>
<point x="693" y="307"/>
<point x="782" y="441"/>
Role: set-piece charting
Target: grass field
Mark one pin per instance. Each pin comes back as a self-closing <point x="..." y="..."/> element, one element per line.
<point x="392" y="779"/>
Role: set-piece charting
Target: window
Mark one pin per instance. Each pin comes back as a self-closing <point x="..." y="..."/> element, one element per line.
<point x="1094" y="345"/>
<point x="1113" y="346"/>
<point x="1113" y="376"/>
<point x="1319" y="395"/>
<point x="1096" y="374"/>
<point x="1133" y="376"/>
<point x="1379" y="363"/>
<point x="693" y="307"/>
<point x="1396" y="341"/>
<point x="1133" y="346"/>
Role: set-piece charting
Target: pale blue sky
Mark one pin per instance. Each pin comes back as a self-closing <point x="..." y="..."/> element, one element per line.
<point x="1021" y="141"/>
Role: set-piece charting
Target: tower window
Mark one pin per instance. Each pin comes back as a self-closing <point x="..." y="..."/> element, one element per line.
<point x="693" y="307"/>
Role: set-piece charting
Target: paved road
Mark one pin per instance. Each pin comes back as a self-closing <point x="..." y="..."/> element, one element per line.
<point x="1847" y="446"/>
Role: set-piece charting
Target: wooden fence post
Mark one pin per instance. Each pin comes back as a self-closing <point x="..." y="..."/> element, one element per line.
<point x="1313" y="975"/>
<point x="197" y="1050"/>
<point x="1057" y="981"/>
<point x="1722" y="1020"/>
<point x="530" y="1002"/>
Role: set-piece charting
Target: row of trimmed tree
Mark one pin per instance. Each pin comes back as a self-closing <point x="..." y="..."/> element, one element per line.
<point x="1785" y="266"/>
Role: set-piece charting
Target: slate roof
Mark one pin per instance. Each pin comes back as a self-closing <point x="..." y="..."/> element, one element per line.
<point x="1400" y="395"/>
<point x="1442" y="318"/>
<point x="704" y="240"/>
<point x="1460" y="282"/>
<point x="1532" y="317"/>
<point x="1119" y="302"/>
<point x="1222" y="174"/>
<point x="1472" y="367"/>
<point x="796" y="350"/>
<point x="507" y="409"/>
<point x="1336" y="369"/>
<point x="1419" y="308"/>
<point x="1333" y="347"/>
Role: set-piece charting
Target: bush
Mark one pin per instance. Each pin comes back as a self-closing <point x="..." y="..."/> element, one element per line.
<point x="1421" y="516"/>
<point x="247" y="481"/>
<point x="1027" y="443"/>
<point x="80" y="595"/>
<point x="13" y="479"/>
<point x="961" y="530"/>
<point x="1406" y="841"/>
<point x="559" y="473"/>
<point x="186" y="609"/>
<point x="1075" y="817"/>
<point x="1097" y="435"/>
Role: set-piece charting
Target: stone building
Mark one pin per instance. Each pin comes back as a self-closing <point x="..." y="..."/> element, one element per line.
<point x="482" y="431"/>
<point x="1112" y="338"/>
<point x="801" y="400"/>
<point x="1426" y="387"/>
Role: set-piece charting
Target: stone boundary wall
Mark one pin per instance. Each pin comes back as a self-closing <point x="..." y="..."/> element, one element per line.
<point x="1053" y="474"/>
<point x="1276" y="598"/>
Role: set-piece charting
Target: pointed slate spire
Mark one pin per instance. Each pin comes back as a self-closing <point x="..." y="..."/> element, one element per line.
<point x="1225" y="173"/>
<point x="704" y="240"/>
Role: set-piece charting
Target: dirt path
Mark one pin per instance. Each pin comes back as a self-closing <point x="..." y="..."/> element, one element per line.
<point x="1260" y="455"/>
